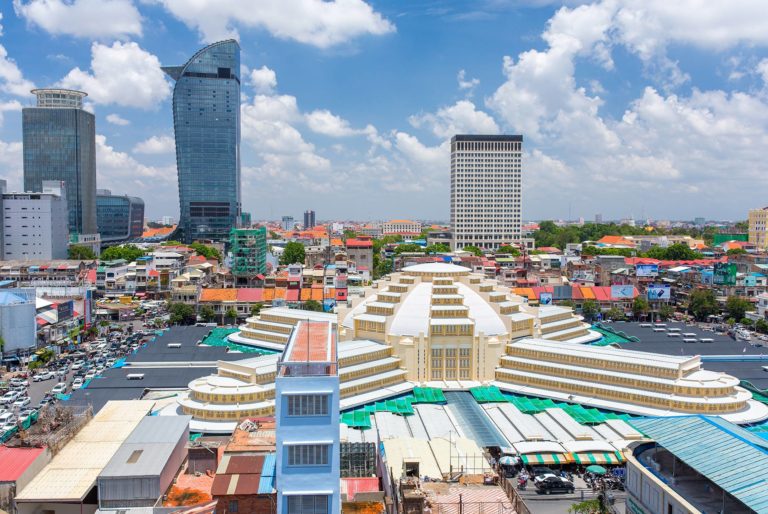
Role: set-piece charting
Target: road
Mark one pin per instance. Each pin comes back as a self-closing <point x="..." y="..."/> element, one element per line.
<point x="560" y="503"/>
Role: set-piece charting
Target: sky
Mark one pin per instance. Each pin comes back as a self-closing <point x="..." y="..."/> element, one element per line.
<point x="628" y="108"/>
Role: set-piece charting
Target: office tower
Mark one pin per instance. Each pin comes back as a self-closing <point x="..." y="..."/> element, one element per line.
<point x="120" y="218"/>
<point x="598" y="219"/>
<point x="758" y="228"/>
<point x="309" y="219"/>
<point x="60" y="144"/>
<point x="35" y="225"/>
<point x="486" y="193"/>
<point x="307" y="414"/>
<point x="249" y="254"/>
<point x="206" y="124"/>
<point x="287" y="223"/>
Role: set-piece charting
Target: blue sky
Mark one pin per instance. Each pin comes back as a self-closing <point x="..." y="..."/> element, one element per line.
<point x="628" y="107"/>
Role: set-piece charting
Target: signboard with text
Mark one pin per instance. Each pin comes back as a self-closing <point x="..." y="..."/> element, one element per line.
<point x="647" y="270"/>
<point x="622" y="292"/>
<point x="724" y="274"/>
<point x="659" y="292"/>
<point x="545" y="299"/>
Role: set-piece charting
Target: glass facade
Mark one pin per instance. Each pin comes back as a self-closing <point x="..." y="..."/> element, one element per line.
<point x="206" y="120"/>
<point x="119" y="217"/>
<point x="60" y="144"/>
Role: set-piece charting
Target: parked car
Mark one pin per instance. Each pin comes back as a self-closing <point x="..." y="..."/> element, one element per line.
<point x="77" y="365"/>
<point x="45" y="375"/>
<point x="77" y="383"/>
<point x="550" y="483"/>
<point x="59" y="388"/>
<point x="18" y="382"/>
<point x="9" y="397"/>
<point x="90" y="375"/>
<point x="541" y="470"/>
<point x="25" y="414"/>
<point x="21" y="402"/>
<point x="45" y="402"/>
<point x="7" y="417"/>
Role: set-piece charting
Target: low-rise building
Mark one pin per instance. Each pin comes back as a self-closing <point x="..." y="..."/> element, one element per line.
<point x="360" y="251"/>
<point x="758" y="227"/>
<point x="401" y="227"/>
<point x="18" y="326"/>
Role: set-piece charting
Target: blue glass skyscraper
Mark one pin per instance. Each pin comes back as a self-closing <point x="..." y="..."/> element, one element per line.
<point x="60" y="144"/>
<point x="206" y="123"/>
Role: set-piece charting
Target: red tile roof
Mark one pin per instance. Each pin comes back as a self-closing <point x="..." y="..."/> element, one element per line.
<point x="352" y="486"/>
<point x="15" y="461"/>
<point x="238" y="475"/>
<point x="218" y="295"/>
<point x="249" y="294"/>
<point x="312" y="343"/>
<point x="359" y="243"/>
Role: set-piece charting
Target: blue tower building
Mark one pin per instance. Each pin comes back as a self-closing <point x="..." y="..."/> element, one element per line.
<point x="206" y="123"/>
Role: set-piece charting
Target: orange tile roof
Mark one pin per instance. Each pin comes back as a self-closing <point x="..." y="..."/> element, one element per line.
<point x="317" y="294"/>
<point x="401" y="221"/>
<point x="337" y="242"/>
<point x="306" y="294"/>
<point x="269" y="294"/>
<point x="280" y="293"/>
<point x="312" y="344"/>
<point x="615" y="240"/>
<point x="218" y="295"/>
<point x="588" y="293"/>
<point x="330" y="293"/>
<point x="162" y="231"/>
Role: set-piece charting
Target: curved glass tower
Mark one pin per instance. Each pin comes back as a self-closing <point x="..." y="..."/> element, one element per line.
<point x="206" y="123"/>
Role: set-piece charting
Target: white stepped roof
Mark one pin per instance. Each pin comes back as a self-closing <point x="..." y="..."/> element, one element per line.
<point x="436" y="267"/>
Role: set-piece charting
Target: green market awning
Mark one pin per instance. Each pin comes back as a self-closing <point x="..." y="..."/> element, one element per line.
<point x="587" y="458"/>
<point x="543" y="459"/>
<point x="428" y="395"/>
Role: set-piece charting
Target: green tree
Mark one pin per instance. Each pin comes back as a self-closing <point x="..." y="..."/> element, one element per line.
<point x="209" y="252"/>
<point x="736" y="251"/>
<point x="127" y="252"/>
<point x="408" y="248"/>
<point x="349" y="234"/>
<point x="702" y="303"/>
<point x="273" y="235"/>
<point x="172" y="242"/>
<point x="594" y="506"/>
<point x="256" y="308"/>
<point x="230" y="315"/>
<point x="381" y="266"/>
<point x="640" y="307"/>
<point x="312" y="305"/>
<point x="680" y="252"/>
<point x="615" y="314"/>
<point x="747" y="322"/>
<point x="736" y="307"/>
<point x="80" y="253"/>
<point x="762" y="326"/>
<point x="589" y="309"/>
<point x="590" y="251"/>
<point x="181" y="314"/>
<point x="438" y="248"/>
<point x="474" y="250"/>
<point x="511" y="250"/>
<point x="293" y="253"/>
<point x="2" y="344"/>
<point x="666" y="311"/>
<point x="741" y="226"/>
<point x="207" y="313"/>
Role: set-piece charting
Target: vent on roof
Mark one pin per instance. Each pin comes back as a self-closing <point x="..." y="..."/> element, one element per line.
<point x="135" y="456"/>
<point x="174" y="345"/>
<point x="135" y="376"/>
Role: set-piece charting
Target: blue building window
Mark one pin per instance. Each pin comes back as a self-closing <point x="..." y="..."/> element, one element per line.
<point x="308" y="504"/>
<point x="308" y="405"/>
<point x="308" y="455"/>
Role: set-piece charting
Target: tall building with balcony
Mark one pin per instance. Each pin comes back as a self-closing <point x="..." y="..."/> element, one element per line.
<point x="486" y="190"/>
<point x="206" y="123"/>
<point x="758" y="227"/>
<point x="307" y="413"/>
<point x="309" y="219"/>
<point x="120" y="218"/>
<point x="60" y="144"/>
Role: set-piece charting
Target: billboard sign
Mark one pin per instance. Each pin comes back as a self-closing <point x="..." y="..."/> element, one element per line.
<point x="87" y="307"/>
<point x="65" y="310"/>
<point x="647" y="270"/>
<point x="659" y="292"/>
<point x="545" y="298"/>
<point x="622" y="292"/>
<point x="725" y="274"/>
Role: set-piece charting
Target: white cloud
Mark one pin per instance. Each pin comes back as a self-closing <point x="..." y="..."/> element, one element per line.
<point x="11" y="165"/>
<point x="465" y="84"/>
<point x="156" y="145"/>
<point x="116" y="119"/>
<point x="82" y="18"/>
<point x="122" y="74"/>
<point x="460" y="118"/>
<point x="325" y="122"/>
<point x="264" y="80"/>
<point x="762" y="69"/>
<point x="320" y="23"/>
<point x="9" y="106"/>
<point x="11" y="79"/>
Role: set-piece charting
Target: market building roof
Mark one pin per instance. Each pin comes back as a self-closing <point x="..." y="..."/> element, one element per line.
<point x="721" y="451"/>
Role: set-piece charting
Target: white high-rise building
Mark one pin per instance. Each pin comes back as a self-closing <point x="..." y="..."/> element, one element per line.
<point x="35" y="225"/>
<point x="486" y="190"/>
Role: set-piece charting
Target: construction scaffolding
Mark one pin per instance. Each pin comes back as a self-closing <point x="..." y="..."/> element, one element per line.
<point x="249" y="252"/>
<point x="358" y="460"/>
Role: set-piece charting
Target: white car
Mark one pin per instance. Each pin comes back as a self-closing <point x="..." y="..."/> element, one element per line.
<point x="25" y="414"/>
<point x="59" y="388"/>
<point x="45" y="375"/>
<point x="21" y="402"/>
<point x="19" y="382"/>
<point x="77" y="383"/>
<point x="77" y="365"/>
<point x="90" y="375"/>
<point x="9" y="397"/>
<point x="6" y="427"/>
<point x="6" y="418"/>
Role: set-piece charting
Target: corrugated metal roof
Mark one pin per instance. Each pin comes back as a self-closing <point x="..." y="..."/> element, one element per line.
<point x="15" y="461"/>
<point x="147" y="450"/>
<point x="728" y="455"/>
<point x="267" y="482"/>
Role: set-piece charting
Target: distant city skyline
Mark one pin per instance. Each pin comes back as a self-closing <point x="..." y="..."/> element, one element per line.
<point x="626" y="107"/>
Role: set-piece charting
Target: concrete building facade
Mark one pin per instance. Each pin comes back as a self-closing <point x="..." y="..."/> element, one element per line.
<point x="34" y="224"/>
<point x="403" y="227"/>
<point x="486" y="190"/>
<point x="119" y="217"/>
<point x="18" y="326"/>
<point x="758" y="227"/>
